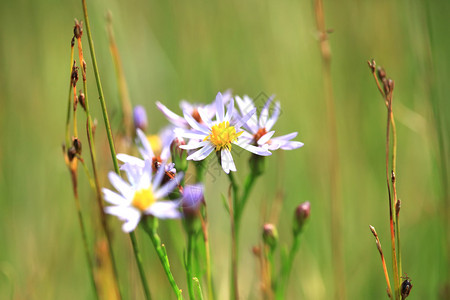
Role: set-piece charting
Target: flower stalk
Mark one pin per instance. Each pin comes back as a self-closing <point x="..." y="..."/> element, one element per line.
<point x="110" y="140"/>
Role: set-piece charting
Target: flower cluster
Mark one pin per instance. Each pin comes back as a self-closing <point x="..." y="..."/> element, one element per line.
<point x="215" y="127"/>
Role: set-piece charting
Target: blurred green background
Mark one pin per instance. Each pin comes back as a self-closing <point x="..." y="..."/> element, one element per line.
<point x="173" y="50"/>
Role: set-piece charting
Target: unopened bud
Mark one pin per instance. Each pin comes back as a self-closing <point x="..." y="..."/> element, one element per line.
<point x="301" y="215"/>
<point x="140" y="118"/>
<point x="392" y="176"/>
<point x="193" y="198"/>
<point x="72" y="42"/>
<point x="257" y="164"/>
<point x="82" y="100"/>
<point x="270" y="235"/>
<point x="391" y="84"/>
<point x="406" y="288"/>
<point x="77" y="145"/>
<point x="179" y="155"/>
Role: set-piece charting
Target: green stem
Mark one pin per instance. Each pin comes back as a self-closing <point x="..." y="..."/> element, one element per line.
<point x="83" y="232"/>
<point x="100" y="90"/>
<point x="138" y="257"/>
<point x="286" y="268"/>
<point x="198" y="289"/>
<point x="109" y="134"/>
<point x="234" y="288"/>
<point x="150" y="227"/>
<point x="189" y="272"/>
<point x="207" y="257"/>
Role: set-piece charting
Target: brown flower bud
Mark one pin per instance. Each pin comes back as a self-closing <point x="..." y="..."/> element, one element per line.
<point x="77" y="145"/>
<point x="381" y="73"/>
<point x="78" y="29"/>
<point x="406" y="287"/>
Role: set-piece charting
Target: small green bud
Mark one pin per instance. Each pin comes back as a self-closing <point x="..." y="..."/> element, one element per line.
<point x="270" y="235"/>
<point x="179" y="155"/>
<point x="301" y="215"/>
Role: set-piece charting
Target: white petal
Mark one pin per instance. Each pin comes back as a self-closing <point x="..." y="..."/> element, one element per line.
<point x="114" y="198"/>
<point x="287" y="137"/>
<point x="171" y="116"/>
<point x="230" y="110"/>
<point x="227" y="161"/>
<point x="194" y="145"/>
<point x="265" y="113"/>
<point x="194" y="124"/>
<point x="244" y="119"/>
<point x="146" y="176"/>
<point x="120" y="185"/>
<point x="202" y="153"/>
<point x="190" y="134"/>
<point x="273" y="119"/>
<point x="164" y="210"/>
<point x="257" y="150"/>
<point x="125" y="158"/>
<point x="291" y="145"/>
<point x="205" y="115"/>
<point x="219" y="108"/>
<point x="265" y="138"/>
<point x="148" y="152"/>
<point x="252" y="123"/>
<point x="186" y="106"/>
<point x="130" y="215"/>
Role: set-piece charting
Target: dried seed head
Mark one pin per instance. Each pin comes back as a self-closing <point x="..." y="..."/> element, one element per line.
<point x="381" y="73"/>
<point x="385" y="86"/>
<point x="398" y="206"/>
<point x="78" y="29"/>
<point x="77" y="145"/>
<point x="74" y="75"/>
<point x="391" y="84"/>
<point x="71" y="153"/>
<point x="270" y="235"/>
<point x="72" y="42"/>
<point x="392" y="176"/>
<point x="372" y="65"/>
<point x="82" y="100"/>
<point x="374" y="232"/>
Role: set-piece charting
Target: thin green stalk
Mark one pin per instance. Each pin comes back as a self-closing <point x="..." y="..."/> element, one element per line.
<point x="211" y="294"/>
<point x="150" y="228"/>
<point x="100" y="90"/>
<point x="198" y="289"/>
<point x="109" y="134"/>
<point x="93" y="152"/>
<point x="138" y="257"/>
<point x="234" y="288"/>
<point x="286" y="269"/>
<point x="189" y="267"/>
<point x="391" y="205"/>
<point x="82" y="226"/>
<point x="333" y="159"/>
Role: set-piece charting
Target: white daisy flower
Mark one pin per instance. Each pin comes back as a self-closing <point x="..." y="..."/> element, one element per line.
<point x="218" y="135"/>
<point x="260" y="133"/>
<point x="141" y="196"/>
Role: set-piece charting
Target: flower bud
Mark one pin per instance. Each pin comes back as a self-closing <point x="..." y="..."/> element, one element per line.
<point x="193" y="198"/>
<point x="270" y="235"/>
<point x="301" y="215"/>
<point x="179" y="155"/>
<point x="78" y="29"/>
<point x="257" y="164"/>
<point x="140" y="118"/>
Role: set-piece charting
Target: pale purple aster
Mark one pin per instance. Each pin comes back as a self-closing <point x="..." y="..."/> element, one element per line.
<point x="260" y="133"/>
<point x="141" y="196"/>
<point x="197" y="111"/>
<point x="140" y="117"/>
<point x="219" y="135"/>
<point x="193" y="197"/>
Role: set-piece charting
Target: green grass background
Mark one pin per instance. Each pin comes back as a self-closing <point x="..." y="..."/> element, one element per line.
<point x="175" y="50"/>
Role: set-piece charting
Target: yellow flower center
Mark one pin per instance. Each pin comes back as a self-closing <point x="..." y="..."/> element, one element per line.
<point x="222" y="135"/>
<point x="143" y="199"/>
<point x="155" y="142"/>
